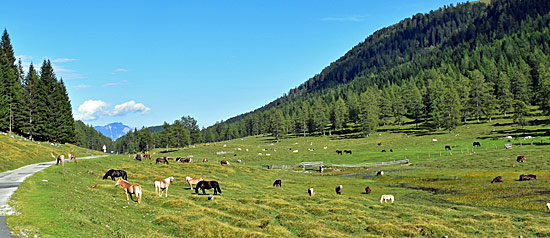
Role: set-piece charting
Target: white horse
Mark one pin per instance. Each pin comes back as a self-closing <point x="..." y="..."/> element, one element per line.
<point x="385" y="198"/>
<point x="162" y="185"/>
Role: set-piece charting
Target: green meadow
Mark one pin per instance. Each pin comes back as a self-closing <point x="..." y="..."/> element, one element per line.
<point x="18" y="151"/>
<point x="438" y="193"/>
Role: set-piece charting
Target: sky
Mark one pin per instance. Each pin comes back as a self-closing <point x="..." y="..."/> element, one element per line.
<point x="146" y="62"/>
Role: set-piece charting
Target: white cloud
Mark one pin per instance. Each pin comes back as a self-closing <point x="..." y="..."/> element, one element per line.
<point x="81" y="86"/>
<point x="63" y="60"/>
<point x="345" y="19"/>
<point x="110" y="85"/>
<point x="91" y="110"/>
<point x="130" y="106"/>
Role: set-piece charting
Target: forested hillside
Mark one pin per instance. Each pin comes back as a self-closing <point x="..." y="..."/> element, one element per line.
<point x="35" y="104"/>
<point x="466" y="62"/>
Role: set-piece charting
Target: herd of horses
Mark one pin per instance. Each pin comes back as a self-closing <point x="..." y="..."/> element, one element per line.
<point x="161" y="186"/>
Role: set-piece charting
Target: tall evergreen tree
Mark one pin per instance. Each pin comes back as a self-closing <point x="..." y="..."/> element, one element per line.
<point x="339" y="113"/>
<point x="370" y="111"/>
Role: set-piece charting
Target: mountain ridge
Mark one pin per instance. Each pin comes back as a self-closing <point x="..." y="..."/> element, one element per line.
<point x="113" y="130"/>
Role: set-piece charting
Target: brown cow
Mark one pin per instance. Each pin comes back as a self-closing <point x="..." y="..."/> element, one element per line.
<point x="521" y="158"/>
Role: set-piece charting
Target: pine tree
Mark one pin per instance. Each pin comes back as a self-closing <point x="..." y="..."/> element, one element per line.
<point x="479" y="101"/>
<point x="339" y="114"/>
<point x="10" y="83"/>
<point x="66" y="121"/>
<point x="451" y="108"/>
<point x="503" y="94"/>
<point x="369" y="111"/>
<point x="413" y="101"/>
<point x="45" y="114"/>
<point x="30" y="99"/>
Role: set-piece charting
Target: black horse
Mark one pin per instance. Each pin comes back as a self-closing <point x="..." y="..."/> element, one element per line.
<point x="277" y="183"/>
<point x="208" y="185"/>
<point x="476" y="143"/>
<point x="116" y="173"/>
<point x="161" y="160"/>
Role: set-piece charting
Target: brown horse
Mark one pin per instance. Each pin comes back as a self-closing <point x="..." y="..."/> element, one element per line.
<point x="521" y="158"/>
<point x="130" y="189"/>
<point x="162" y="185"/>
<point x="71" y="157"/>
<point x="224" y="162"/>
<point x="148" y="156"/>
<point x="58" y="159"/>
<point x="205" y="160"/>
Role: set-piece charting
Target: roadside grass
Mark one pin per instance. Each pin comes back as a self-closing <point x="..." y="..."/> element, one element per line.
<point x="437" y="193"/>
<point x="17" y="151"/>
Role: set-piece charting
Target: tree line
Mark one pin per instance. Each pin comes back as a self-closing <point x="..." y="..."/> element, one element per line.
<point x="35" y="104"/>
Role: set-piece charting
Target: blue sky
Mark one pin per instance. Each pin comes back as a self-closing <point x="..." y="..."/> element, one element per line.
<point x="145" y="62"/>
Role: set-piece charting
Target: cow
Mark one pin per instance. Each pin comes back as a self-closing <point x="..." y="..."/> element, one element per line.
<point x="497" y="179"/>
<point x="527" y="177"/>
<point x="368" y="190"/>
<point x="521" y="158"/>
<point x="476" y="143"/>
<point x="447" y="147"/>
<point x="339" y="189"/>
<point x="347" y="151"/>
<point x="339" y="152"/>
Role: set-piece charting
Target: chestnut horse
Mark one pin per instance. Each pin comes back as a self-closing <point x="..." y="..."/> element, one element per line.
<point x="130" y="189"/>
<point x="162" y="185"/>
<point x="192" y="181"/>
<point x="58" y="159"/>
<point x="224" y="162"/>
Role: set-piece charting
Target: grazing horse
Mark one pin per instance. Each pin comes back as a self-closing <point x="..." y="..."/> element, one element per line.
<point x="148" y="156"/>
<point x="521" y="158"/>
<point x="497" y="179"/>
<point x="208" y="185"/>
<point x="368" y="190"/>
<point x="205" y="160"/>
<point x="524" y="177"/>
<point x="137" y="157"/>
<point x="116" y="173"/>
<point x="339" y="152"/>
<point x="347" y="151"/>
<point x="380" y="143"/>
<point x="224" y="162"/>
<point x="476" y="143"/>
<point x="310" y="191"/>
<point x="391" y="150"/>
<point x="192" y="181"/>
<point x="59" y="158"/>
<point x="71" y="157"/>
<point x="277" y="183"/>
<point x="339" y="189"/>
<point x="184" y="160"/>
<point x="447" y="147"/>
<point x="380" y="173"/>
<point x="130" y="189"/>
<point x="161" y="160"/>
<point x="385" y="198"/>
<point x="162" y="185"/>
<point x="383" y="150"/>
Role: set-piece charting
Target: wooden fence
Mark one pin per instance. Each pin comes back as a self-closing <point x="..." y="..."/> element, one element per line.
<point x="320" y="164"/>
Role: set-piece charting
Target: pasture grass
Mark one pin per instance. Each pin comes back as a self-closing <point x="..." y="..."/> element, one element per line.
<point x="18" y="151"/>
<point x="437" y="193"/>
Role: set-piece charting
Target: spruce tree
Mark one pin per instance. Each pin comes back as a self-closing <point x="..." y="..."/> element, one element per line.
<point x="369" y="111"/>
<point x="339" y="113"/>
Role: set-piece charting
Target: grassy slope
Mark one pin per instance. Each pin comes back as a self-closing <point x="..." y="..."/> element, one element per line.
<point x="435" y="195"/>
<point x="18" y="151"/>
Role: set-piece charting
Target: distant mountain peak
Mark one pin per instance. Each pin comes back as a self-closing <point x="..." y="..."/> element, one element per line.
<point x="113" y="130"/>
